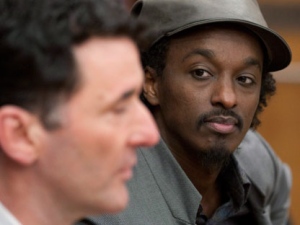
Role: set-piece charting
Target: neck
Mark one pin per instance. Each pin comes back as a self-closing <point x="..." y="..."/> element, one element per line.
<point x="203" y="178"/>
<point x="205" y="181"/>
<point x="201" y="167"/>
<point x="27" y="201"/>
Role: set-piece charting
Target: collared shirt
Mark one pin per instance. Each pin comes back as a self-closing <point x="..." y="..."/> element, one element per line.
<point x="235" y="185"/>
<point x="6" y="217"/>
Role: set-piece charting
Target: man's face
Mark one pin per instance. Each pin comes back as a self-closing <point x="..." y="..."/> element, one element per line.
<point x="87" y="161"/>
<point x="209" y="90"/>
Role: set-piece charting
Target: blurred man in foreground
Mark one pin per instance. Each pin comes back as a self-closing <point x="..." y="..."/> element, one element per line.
<point x="70" y="114"/>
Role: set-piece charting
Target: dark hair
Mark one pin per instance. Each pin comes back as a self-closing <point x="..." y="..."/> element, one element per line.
<point x="155" y="57"/>
<point x="37" y="66"/>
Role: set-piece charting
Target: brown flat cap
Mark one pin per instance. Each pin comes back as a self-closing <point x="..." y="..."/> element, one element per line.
<point x="168" y="17"/>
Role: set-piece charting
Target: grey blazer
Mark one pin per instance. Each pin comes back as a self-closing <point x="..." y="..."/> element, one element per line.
<point x="161" y="193"/>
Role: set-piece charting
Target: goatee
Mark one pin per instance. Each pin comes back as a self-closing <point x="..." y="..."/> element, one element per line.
<point x="214" y="158"/>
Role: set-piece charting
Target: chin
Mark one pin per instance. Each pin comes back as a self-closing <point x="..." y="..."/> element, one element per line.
<point x="117" y="201"/>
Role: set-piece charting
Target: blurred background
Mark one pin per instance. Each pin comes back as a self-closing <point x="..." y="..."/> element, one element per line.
<point x="281" y="119"/>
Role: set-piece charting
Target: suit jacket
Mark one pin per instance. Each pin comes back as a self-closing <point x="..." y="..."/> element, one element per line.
<point x="161" y="193"/>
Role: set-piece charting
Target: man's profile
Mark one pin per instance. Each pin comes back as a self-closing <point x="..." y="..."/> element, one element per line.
<point x="70" y="113"/>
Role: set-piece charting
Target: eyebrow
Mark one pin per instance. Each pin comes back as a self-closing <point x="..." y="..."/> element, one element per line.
<point x="117" y="99"/>
<point x="204" y="52"/>
<point x="126" y="95"/>
<point x="250" y="61"/>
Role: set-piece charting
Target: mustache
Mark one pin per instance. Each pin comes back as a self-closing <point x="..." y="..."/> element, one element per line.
<point x="203" y="118"/>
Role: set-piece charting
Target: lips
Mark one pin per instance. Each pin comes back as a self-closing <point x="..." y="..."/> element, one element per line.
<point x="222" y="124"/>
<point x="127" y="170"/>
<point x="126" y="173"/>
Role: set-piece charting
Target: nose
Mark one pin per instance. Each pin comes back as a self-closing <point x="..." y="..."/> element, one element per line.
<point x="224" y="93"/>
<point x="145" y="133"/>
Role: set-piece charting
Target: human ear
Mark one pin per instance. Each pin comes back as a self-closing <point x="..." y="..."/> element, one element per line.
<point x="150" y="90"/>
<point x="18" y="139"/>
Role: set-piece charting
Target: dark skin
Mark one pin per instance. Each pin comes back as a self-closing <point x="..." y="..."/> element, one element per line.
<point x="205" y="101"/>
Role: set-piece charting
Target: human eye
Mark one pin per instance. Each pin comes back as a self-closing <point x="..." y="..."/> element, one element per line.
<point x="120" y="109"/>
<point x="246" y="80"/>
<point x="125" y="102"/>
<point x="200" y="74"/>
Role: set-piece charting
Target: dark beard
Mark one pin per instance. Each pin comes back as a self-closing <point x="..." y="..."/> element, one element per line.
<point x="214" y="158"/>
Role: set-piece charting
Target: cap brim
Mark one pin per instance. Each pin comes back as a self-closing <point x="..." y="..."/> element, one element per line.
<point x="279" y="53"/>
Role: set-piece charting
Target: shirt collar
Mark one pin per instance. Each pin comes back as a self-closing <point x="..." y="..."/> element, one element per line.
<point x="178" y="191"/>
<point x="6" y="217"/>
<point x="235" y="182"/>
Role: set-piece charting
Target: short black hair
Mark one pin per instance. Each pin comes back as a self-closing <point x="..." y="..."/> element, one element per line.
<point x="36" y="40"/>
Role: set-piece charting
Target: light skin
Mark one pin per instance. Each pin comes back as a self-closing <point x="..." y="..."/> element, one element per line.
<point x="209" y="72"/>
<point x="82" y="167"/>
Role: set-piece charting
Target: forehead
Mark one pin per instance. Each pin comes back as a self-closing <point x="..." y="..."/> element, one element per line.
<point x="218" y="37"/>
<point x="108" y="65"/>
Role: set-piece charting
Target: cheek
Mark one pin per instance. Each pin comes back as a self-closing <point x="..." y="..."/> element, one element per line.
<point x="183" y="106"/>
<point x="177" y="94"/>
<point x="250" y="105"/>
<point x="96" y="150"/>
<point x="107" y="146"/>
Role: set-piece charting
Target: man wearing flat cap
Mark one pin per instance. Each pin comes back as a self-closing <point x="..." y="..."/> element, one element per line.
<point x="207" y="78"/>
